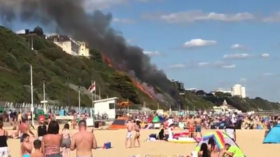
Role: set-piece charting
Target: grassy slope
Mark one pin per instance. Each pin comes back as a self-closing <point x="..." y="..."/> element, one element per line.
<point x="54" y="66"/>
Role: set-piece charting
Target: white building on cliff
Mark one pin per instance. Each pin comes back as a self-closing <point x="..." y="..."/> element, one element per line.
<point x="70" y="46"/>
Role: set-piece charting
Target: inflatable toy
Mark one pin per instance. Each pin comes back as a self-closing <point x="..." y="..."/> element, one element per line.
<point x="181" y="134"/>
<point x="179" y="137"/>
<point x="182" y="140"/>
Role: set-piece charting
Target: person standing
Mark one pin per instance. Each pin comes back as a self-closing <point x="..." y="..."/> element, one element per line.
<point x="137" y="128"/>
<point x="83" y="141"/>
<point x="42" y="129"/>
<point x="4" y="150"/>
<point x="51" y="142"/>
<point x="24" y="128"/>
<point x="129" y="127"/>
<point x="230" y="130"/>
<point x="66" y="140"/>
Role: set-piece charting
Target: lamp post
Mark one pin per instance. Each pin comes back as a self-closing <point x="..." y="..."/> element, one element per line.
<point x="79" y="96"/>
<point x="68" y="98"/>
<point x="31" y="91"/>
<point x="44" y="101"/>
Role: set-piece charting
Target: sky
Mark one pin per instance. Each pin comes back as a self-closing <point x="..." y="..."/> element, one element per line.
<point x="204" y="44"/>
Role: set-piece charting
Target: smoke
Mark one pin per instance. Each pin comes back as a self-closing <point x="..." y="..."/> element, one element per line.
<point x="70" y="17"/>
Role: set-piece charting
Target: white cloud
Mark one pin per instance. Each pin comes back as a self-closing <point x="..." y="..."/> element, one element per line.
<point x="20" y="31"/>
<point x="152" y="53"/>
<point x="199" y="43"/>
<point x="243" y="80"/>
<point x="265" y="55"/>
<point x="231" y="66"/>
<point x="218" y="64"/>
<point x="124" y="21"/>
<point x="177" y="66"/>
<point x="268" y="74"/>
<point x="197" y="15"/>
<point x="238" y="47"/>
<point x="244" y="56"/>
<point x="102" y="4"/>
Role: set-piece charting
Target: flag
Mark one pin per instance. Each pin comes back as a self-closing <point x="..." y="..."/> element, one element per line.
<point x="91" y="88"/>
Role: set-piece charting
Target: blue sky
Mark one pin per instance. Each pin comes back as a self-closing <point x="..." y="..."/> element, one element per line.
<point x="206" y="44"/>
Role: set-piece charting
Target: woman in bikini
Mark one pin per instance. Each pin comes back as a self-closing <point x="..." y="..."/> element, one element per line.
<point x="66" y="141"/>
<point x="52" y="141"/>
<point x="137" y="128"/>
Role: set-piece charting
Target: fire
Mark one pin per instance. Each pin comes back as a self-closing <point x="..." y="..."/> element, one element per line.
<point x="107" y="60"/>
<point x="138" y="85"/>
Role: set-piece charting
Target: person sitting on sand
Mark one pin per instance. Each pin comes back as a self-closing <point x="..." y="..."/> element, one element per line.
<point x="26" y="146"/>
<point x="224" y="152"/>
<point x="203" y="152"/>
<point x="211" y="144"/>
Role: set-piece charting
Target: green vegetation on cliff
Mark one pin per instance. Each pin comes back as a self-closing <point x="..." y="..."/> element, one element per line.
<point x="59" y="71"/>
<point x="64" y="74"/>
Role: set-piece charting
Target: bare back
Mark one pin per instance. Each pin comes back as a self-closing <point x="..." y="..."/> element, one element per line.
<point x="51" y="143"/>
<point x="83" y="141"/>
<point x="130" y="126"/>
<point x="198" y="121"/>
<point x="23" y="128"/>
<point x="65" y="133"/>
<point x="37" y="153"/>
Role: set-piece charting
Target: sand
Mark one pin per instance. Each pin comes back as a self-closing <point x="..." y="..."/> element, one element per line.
<point x="250" y="142"/>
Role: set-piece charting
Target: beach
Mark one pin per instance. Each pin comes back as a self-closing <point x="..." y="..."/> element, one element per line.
<point x="250" y="142"/>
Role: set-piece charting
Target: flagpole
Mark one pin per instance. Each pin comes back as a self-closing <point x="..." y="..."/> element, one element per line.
<point x="92" y="103"/>
<point x="31" y="91"/>
<point x="95" y="91"/>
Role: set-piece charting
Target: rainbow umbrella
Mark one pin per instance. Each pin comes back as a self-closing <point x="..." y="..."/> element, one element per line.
<point x="218" y="138"/>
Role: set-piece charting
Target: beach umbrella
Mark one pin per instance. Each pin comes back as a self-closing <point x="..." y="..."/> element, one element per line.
<point x="221" y="139"/>
<point x="218" y="138"/>
<point x="156" y="119"/>
<point x="162" y="119"/>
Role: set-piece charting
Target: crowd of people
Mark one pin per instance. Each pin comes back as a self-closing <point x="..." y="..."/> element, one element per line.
<point x="50" y="140"/>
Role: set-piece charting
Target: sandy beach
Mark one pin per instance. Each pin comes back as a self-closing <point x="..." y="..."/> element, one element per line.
<point x="250" y="142"/>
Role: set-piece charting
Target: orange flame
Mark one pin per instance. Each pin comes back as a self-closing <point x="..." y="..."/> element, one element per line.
<point x="107" y="60"/>
<point x="138" y="85"/>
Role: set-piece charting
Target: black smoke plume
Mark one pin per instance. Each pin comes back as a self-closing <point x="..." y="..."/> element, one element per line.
<point x="71" y="17"/>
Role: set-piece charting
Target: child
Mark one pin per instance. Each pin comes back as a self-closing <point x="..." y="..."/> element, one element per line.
<point x="37" y="152"/>
<point x="26" y="147"/>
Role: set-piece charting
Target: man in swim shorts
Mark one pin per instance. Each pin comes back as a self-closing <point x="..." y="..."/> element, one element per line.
<point x="197" y="121"/>
<point x="129" y="134"/>
<point x="191" y="128"/>
<point x="24" y="128"/>
<point x="83" y="141"/>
